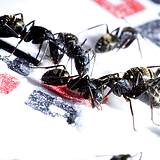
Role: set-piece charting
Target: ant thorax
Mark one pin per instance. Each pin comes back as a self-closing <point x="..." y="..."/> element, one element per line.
<point x="109" y="38"/>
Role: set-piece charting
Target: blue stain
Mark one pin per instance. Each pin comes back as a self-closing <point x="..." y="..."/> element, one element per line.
<point x="20" y="66"/>
<point x="41" y="101"/>
<point x="151" y="31"/>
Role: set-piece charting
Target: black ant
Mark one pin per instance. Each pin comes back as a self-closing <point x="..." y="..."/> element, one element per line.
<point x="116" y="39"/>
<point x="123" y="156"/>
<point x="134" y="83"/>
<point x="11" y="25"/>
<point x="35" y="34"/>
<point x="87" y="87"/>
<point x="38" y="35"/>
<point x="81" y="58"/>
<point x="59" y="44"/>
<point x="75" y="51"/>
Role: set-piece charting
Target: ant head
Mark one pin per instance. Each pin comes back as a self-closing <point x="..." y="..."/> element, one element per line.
<point x="20" y="26"/>
<point x="70" y="40"/>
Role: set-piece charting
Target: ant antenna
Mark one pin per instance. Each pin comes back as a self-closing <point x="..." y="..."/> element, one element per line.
<point x="99" y="25"/>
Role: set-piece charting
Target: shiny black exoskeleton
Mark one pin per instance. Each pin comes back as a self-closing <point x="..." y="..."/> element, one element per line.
<point x="82" y="57"/>
<point x="89" y="88"/>
<point x="11" y="25"/>
<point x="134" y="83"/>
<point x="137" y="156"/>
<point x="121" y="157"/>
<point x="70" y="46"/>
<point x="56" y="76"/>
<point x="75" y="51"/>
<point x="126" y="156"/>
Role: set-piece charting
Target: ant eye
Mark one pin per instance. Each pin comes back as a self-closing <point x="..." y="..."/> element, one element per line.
<point x="131" y="77"/>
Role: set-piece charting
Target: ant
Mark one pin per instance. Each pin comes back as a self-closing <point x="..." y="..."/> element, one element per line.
<point x="59" y="44"/>
<point x="116" y="39"/>
<point x="87" y="87"/>
<point x="75" y="51"/>
<point x="134" y="83"/>
<point x="123" y="156"/>
<point x="35" y="34"/>
<point x="81" y="57"/>
<point x="39" y="34"/>
<point x="11" y="25"/>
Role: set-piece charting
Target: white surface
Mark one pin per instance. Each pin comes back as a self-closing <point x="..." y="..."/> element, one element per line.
<point x="28" y="135"/>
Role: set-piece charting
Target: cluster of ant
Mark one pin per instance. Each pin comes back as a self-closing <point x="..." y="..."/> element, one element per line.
<point x="132" y="84"/>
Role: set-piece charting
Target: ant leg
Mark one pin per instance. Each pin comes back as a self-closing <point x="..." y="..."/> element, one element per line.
<point x="151" y="106"/>
<point x="48" y="67"/>
<point x="19" y="14"/>
<point x="83" y="42"/>
<point x="44" y="52"/>
<point x="130" y="42"/>
<point x="110" y="76"/>
<point x="107" y="29"/>
<point x="13" y="32"/>
<point x="92" y="98"/>
<point x="157" y="72"/>
<point x="94" y="56"/>
<point x="67" y="62"/>
<point x="91" y="95"/>
<point x="139" y="48"/>
<point x="30" y="23"/>
<point x="116" y="31"/>
<point x="131" y="109"/>
<point x="136" y="155"/>
<point x="140" y="156"/>
<point x="71" y="65"/>
<point x="40" y="47"/>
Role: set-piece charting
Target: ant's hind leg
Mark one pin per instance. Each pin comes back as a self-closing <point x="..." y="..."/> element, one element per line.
<point x="131" y="109"/>
<point x="152" y="115"/>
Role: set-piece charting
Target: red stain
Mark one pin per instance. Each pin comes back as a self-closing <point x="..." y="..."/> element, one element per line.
<point x="68" y="94"/>
<point x="122" y="9"/>
<point x="7" y="83"/>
